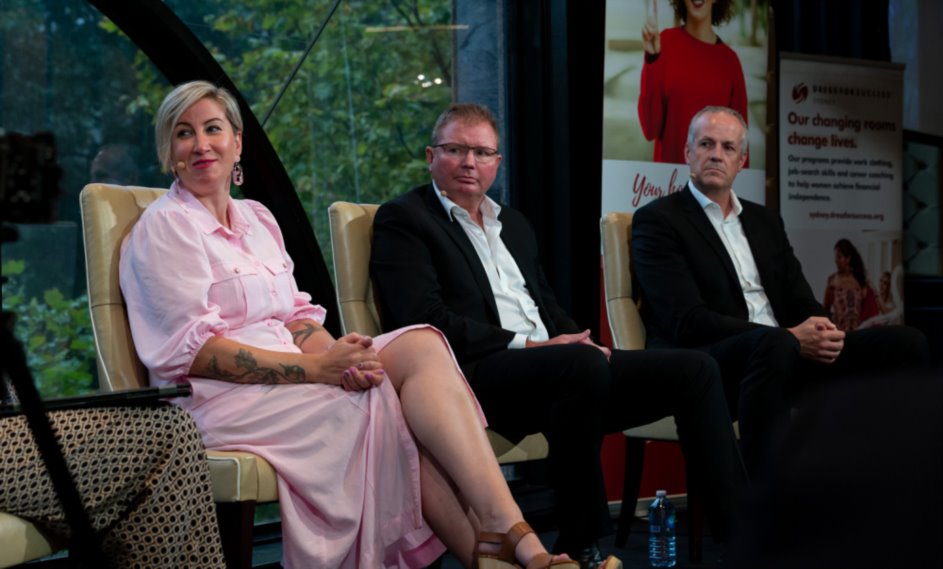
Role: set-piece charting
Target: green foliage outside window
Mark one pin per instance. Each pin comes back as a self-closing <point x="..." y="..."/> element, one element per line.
<point x="354" y="123"/>
<point x="56" y="333"/>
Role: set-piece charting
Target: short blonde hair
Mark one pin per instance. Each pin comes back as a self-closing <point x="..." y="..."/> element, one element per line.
<point x="467" y="113"/>
<point x="177" y="102"/>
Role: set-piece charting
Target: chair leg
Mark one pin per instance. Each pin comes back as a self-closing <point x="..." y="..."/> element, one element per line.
<point x="696" y="525"/>
<point x="236" y="522"/>
<point x="634" y="456"/>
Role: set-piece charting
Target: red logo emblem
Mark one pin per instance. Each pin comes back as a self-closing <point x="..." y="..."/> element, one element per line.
<point x="800" y="92"/>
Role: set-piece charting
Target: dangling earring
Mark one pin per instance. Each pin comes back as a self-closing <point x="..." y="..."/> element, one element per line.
<point x="237" y="174"/>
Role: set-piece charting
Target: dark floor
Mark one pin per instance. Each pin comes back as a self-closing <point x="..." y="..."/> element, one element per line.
<point x="535" y="501"/>
<point x="267" y="551"/>
<point x="635" y="552"/>
<point x="633" y="555"/>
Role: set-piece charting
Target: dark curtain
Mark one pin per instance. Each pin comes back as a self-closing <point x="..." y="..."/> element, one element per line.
<point x="555" y="88"/>
<point x="839" y="28"/>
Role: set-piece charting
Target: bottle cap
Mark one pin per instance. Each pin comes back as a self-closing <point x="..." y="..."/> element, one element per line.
<point x="660" y="493"/>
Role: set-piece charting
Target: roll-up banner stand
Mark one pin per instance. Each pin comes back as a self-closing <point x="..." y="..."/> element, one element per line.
<point x="841" y="146"/>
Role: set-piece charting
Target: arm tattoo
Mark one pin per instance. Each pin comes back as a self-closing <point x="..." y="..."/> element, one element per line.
<point x="301" y="335"/>
<point x="213" y="370"/>
<point x="254" y="373"/>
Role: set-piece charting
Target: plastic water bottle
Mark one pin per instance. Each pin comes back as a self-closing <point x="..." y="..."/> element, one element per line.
<point x="662" y="543"/>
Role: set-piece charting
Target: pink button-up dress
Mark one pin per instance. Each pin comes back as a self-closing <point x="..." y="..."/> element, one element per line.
<point x="347" y="464"/>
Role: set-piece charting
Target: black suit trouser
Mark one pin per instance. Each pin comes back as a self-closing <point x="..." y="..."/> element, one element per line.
<point x="574" y="396"/>
<point x="764" y="376"/>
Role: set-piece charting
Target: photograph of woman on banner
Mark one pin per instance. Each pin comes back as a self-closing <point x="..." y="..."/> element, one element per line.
<point x="849" y="297"/>
<point x="635" y="123"/>
<point x="890" y="300"/>
<point x="686" y="68"/>
<point x="886" y="301"/>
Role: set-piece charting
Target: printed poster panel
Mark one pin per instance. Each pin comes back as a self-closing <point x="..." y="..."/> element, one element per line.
<point x="841" y="146"/>
<point x="659" y="71"/>
<point x="628" y="185"/>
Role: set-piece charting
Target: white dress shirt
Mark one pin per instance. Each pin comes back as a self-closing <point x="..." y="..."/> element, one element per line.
<point x="731" y="234"/>
<point x="516" y="308"/>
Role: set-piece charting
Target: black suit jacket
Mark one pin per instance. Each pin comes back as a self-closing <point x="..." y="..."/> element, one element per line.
<point x="426" y="270"/>
<point x="690" y="293"/>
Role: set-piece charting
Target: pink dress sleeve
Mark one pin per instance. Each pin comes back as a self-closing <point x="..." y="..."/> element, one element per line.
<point x="165" y="277"/>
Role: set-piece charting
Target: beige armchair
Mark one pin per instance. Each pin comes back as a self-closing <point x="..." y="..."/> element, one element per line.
<point x="628" y="333"/>
<point x="351" y="239"/>
<point x="240" y="479"/>
<point x="22" y="541"/>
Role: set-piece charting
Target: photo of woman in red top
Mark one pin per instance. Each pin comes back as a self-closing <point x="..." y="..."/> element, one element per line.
<point x="687" y="68"/>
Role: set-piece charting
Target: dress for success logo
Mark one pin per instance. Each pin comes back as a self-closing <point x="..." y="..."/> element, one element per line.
<point x="800" y="92"/>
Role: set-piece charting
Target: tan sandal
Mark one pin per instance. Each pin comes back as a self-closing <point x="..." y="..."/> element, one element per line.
<point x="505" y="558"/>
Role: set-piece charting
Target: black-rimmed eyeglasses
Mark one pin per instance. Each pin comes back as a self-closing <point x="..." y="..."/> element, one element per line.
<point x="482" y="154"/>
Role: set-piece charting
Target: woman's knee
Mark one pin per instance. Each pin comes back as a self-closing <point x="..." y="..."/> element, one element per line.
<point x="420" y="337"/>
<point x="418" y="351"/>
<point x="415" y="344"/>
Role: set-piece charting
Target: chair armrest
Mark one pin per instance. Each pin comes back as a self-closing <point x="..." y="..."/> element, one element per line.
<point x="531" y="447"/>
<point x="240" y="476"/>
<point x="22" y="541"/>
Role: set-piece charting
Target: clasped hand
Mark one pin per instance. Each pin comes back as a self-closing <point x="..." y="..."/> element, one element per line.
<point x="353" y="359"/>
<point x="580" y="338"/>
<point x="819" y="339"/>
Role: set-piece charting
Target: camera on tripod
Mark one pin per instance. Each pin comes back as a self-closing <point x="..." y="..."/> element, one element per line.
<point x="29" y="187"/>
<point x="29" y="178"/>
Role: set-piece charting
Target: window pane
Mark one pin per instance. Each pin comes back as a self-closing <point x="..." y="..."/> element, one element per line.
<point x="353" y="123"/>
<point x="67" y="73"/>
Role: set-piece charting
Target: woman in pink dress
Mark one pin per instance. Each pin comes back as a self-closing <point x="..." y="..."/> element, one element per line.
<point x="378" y="443"/>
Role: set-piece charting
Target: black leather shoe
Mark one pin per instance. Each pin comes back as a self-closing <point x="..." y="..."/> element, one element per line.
<point x="591" y="558"/>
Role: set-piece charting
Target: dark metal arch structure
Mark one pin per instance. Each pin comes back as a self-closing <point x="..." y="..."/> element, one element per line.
<point x="181" y="57"/>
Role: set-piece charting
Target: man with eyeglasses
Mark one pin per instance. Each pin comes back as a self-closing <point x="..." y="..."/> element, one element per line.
<point x="447" y="254"/>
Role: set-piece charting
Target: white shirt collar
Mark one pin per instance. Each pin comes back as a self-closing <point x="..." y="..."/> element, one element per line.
<point x="489" y="208"/>
<point x="707" y="202"/>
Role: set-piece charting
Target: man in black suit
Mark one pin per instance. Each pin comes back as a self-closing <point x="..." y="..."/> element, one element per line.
<point x="448" y="255"/>
<point x="717" y="273"/>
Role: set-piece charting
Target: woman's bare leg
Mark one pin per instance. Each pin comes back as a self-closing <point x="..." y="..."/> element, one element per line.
<point x="452" y="521"/>
<point x="442" y="416"/>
